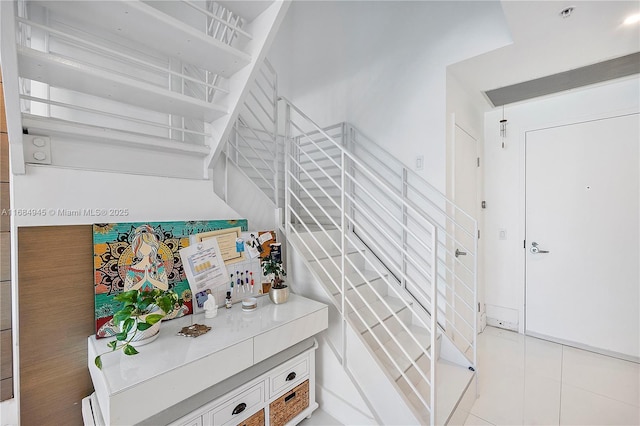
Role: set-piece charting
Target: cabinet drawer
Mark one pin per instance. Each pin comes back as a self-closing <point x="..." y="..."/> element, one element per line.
<point x="237" y="408"/>
<point x="289" y="405"/>
<point x="293" y="372"/>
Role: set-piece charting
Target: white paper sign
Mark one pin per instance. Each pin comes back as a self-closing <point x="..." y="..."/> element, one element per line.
<point x="204" y="267"/>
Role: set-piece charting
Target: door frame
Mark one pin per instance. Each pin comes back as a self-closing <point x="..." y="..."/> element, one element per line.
<point x="481" y="317"/>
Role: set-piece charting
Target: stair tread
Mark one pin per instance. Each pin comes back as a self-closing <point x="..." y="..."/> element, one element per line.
<point x="56" y="126"/>
<point x="69" y="74"/>
<point x="158" y="31"/>
<point x="324" y="240"/>
<point x="382" y="311"/>
<point x="353" y="278"/>
<point x="411" y="347"/>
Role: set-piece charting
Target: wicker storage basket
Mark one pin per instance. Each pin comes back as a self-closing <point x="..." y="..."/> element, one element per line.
<point x="289" y="405"/>
<point x="256" y="420"/>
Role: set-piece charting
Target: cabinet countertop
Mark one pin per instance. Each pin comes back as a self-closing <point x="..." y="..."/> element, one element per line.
<point x="229" y="328"/>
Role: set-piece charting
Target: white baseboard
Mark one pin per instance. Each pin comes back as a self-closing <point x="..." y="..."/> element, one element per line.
<point x="502" y="317"/>
<point x="507" y="325"/>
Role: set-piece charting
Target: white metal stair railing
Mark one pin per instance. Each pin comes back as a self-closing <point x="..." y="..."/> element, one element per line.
<point x="360" y="302"/>
<point x="457" y="230"/>
<point x="456" y="238"/>
<point x="254" y="145"/>
<point x="341" y="181"/>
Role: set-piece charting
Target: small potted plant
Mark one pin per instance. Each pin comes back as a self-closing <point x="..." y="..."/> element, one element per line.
<point x="279" y="292"/>
<point x="140" y="317"/>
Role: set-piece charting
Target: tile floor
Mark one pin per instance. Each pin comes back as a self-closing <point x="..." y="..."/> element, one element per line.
<point x="528" y="381"/>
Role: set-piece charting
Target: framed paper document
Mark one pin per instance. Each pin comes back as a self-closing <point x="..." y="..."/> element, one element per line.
<point x="226" y="239"/>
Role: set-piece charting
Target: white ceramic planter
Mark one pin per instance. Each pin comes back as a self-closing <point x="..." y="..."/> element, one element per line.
<point x="145" y="337"/>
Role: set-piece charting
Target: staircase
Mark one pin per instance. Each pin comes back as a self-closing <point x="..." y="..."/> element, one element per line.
<point x="141" y="83"/>
<point x="387" y="250"/>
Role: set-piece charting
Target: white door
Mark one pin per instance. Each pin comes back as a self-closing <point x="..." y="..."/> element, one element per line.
<point x="582" y="207"/>
<point x="465" y="196"/>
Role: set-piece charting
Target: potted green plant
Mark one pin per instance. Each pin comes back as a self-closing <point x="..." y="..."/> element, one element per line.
<point x="139" y="318"/>
<point x="279" y="292"/>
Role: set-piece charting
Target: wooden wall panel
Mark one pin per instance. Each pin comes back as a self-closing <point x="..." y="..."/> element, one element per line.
<point x="5" y="305"/>
<point x="3" y="115"/>
<point x="6" y="389"/>
<point x="6" y="355"/>
<point x="4" y="157"/>
<point x="56" y="297"/>
<point x="5" y="205"/>
<point x="5" y="256"/>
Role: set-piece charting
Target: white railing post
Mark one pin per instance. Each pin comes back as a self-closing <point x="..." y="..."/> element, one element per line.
<point x="405" y="221"/>
<point x="434" y="321"/>
<point x="276" y="172"/>
<point x="287" y="171"/>
<point x="275" y="137"/>
<point x="476" y="305"/>
<point x="226" y="174"/>
<point x="343" y="238"/>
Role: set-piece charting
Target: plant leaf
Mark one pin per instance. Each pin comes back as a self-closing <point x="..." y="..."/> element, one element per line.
<point x="128" y="325"/>
<point x="130" y="350"/>
<point x="121" y="336"/>
<point x="165" y="303"/>
<point x="144" y="303"/>
<point x="112" y="345"/>
<point x="122" y="314"/>
<point x="98" y="362"/>
<point x="153" y="318"/>
<point x="142" y="326"/>
<point x="127" y="297"/>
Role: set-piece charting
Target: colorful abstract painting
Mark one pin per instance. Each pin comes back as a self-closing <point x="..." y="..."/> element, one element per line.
<point x="143" y="255"/>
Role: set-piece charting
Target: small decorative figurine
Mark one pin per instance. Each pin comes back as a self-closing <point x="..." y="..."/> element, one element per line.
<point x="210" y="307"/>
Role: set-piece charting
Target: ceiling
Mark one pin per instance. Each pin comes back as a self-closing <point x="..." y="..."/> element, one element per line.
<point x="544" y="43"/>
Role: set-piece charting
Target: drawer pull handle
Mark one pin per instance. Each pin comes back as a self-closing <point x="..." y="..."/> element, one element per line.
<point x="291" y="376"/>
<point x="287" y="398"/>
<point x="239" y="408"/>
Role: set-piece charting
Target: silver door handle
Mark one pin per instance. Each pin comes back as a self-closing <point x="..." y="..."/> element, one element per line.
<point x="535" y="250"/>
<point x="460" y="253"/>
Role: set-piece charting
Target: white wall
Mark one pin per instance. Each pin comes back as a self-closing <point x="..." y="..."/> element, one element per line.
<point x="147" y="198"/>
<point x="504" y="182"/>
<point x="244" y="195"/>
<point x="382" y="67"/>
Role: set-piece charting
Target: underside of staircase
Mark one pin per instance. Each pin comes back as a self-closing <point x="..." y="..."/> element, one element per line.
<point x="129" y="86"/>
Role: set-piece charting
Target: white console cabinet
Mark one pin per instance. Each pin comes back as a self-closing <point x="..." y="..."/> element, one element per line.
<point x="244" y="364"/>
